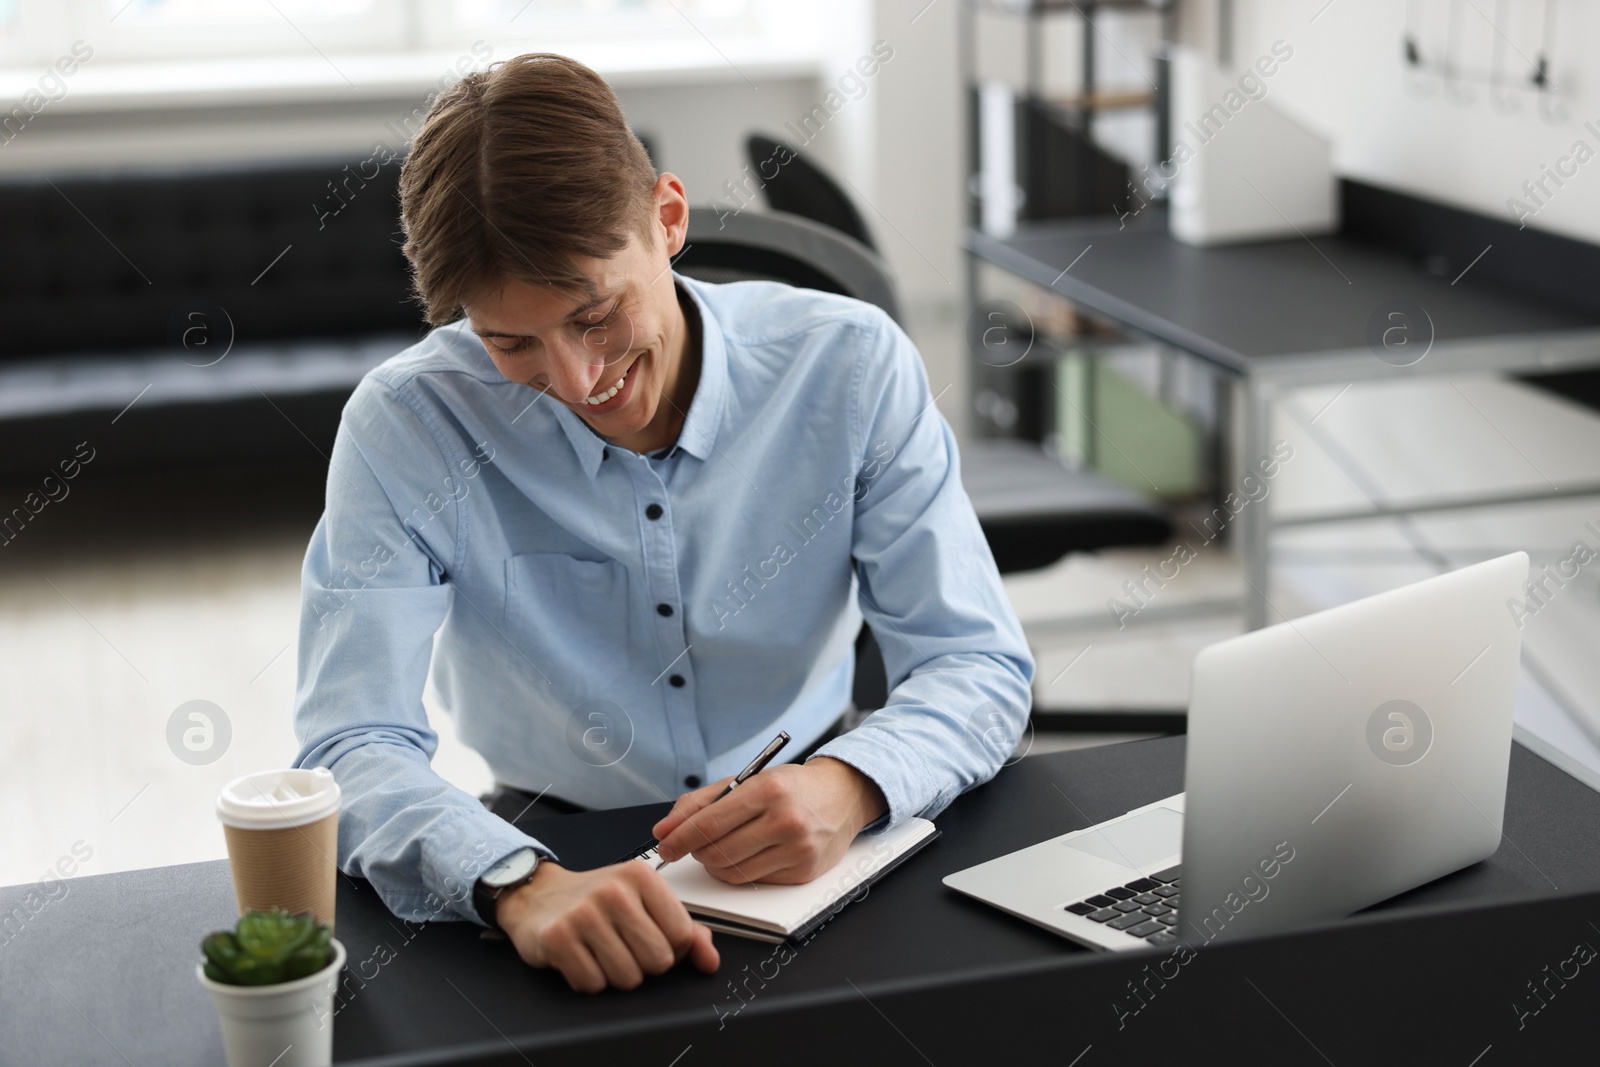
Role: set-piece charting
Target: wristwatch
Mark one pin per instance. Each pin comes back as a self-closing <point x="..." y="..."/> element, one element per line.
<point x="511" y="872"/>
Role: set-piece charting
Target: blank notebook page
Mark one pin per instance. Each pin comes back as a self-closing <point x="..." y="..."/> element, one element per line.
<point x="786" y="909"/>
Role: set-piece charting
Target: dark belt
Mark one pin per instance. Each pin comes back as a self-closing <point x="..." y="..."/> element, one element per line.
<point x="516" y="805"/>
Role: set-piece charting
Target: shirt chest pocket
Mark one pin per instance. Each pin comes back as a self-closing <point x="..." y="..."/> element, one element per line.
<point x="569" y="617"/>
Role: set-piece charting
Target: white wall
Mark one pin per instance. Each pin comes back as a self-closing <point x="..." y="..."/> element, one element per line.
<point x="898" y="145"/>
<point x="698" y="132"/>
<point x="698" y="128"/>
<point x="918" y="210"/>
<point x="1460" y="145"/>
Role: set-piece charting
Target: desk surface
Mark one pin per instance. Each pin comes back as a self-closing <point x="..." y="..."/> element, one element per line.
<point x="105" y="975"/>
<point x="1237" y="304"/>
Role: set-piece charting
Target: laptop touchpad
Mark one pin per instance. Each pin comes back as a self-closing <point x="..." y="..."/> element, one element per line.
<point x="1136" y="842"/>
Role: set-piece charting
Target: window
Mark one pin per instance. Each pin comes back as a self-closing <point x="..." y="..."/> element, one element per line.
<point x="33" y="32"/>
<point x="234" y="12"/>
<point x="531" y="21"/>
<point x="641" y="11"/>
<point x="211" y="29"/>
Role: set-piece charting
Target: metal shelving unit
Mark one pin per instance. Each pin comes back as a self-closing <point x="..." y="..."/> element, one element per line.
<point x="1077" y="112"/>
<point x="1062" y="173"/>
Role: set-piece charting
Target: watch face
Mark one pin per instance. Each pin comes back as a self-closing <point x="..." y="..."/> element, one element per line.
<point x="511" y="869"/>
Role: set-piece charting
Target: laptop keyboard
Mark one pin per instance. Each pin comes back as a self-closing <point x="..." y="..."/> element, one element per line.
<point x="1145" y="908"/>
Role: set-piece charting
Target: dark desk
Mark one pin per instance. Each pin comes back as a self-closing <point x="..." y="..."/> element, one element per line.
<point x="1238" y="305"/>
<point x="1282" y="315"/>
<point x="913" y="973"/>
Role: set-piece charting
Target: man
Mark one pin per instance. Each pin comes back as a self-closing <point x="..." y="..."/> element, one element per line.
<point x="644" y="516"/>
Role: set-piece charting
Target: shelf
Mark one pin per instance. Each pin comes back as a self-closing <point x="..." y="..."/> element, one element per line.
<point x="1046" y="7"/>
<point x="202" y="83"/>
<point x="1104" y="101"/>
<point x="1047" y="346"/>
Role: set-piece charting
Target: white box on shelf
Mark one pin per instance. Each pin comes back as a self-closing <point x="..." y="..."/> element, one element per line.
<point x="1245" y="170"/>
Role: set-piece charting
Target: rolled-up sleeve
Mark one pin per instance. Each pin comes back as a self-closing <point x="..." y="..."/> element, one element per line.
<point x="959" y="670"/>
<point x="375" y="586"/>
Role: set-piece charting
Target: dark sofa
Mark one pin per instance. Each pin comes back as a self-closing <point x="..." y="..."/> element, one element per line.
<point x="194" y="316"/>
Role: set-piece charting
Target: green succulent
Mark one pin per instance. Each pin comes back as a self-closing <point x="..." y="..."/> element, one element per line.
<point x="267" y="947"/>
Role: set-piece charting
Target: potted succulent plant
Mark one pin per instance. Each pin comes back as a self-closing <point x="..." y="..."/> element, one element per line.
<point x="272" y="980"/>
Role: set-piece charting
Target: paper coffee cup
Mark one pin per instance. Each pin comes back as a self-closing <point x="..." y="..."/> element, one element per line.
<point x="283" y="840"/>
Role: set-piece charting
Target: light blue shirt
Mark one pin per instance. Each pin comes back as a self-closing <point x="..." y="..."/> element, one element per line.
<point x="612" y="627"/>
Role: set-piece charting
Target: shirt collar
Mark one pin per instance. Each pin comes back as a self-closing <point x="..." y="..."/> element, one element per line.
<point x="699" y="434"/>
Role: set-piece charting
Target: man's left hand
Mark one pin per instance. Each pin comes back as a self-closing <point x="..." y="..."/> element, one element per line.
<point x="787" y="824"/>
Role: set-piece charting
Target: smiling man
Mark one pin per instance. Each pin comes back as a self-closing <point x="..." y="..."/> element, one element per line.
<point x="632" y="523"/>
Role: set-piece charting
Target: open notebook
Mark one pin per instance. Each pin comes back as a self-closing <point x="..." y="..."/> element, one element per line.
<point x="777" y="913"/>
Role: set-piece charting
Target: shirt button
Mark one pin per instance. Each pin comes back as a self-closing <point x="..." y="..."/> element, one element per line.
<point x="676" y="681"/>
<point x="663" y="609"/>
<point x="692" y="781"/>
<point x="653" y="511"/>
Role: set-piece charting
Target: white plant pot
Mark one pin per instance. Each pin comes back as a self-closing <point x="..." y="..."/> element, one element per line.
<point x="285" y="1025"/>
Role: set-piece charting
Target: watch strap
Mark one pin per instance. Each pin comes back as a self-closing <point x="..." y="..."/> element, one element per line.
<point x="484" y="896"/>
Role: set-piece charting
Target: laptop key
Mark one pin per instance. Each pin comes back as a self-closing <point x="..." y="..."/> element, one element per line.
<point x="1132" y="918"/>
<point x="1120" y="893"/>
<point x="1125" y="905"/>
<point x="1168" y="875"/>
<point x="1147" y="898"/>
<point x="1163" y="938"/>
<point x="1141" y="885"/>
<point x="1166" y="891"/>
<point x="1156" y="909"/>
<point x="1102" y="915"/>
<point x="1145" y="929"/>
<point x="1169" y="919"/>
<point x="1100" y="900"/>
<point x="1082" y="907"/>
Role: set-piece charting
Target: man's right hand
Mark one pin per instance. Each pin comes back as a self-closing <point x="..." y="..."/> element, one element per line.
<point x="610" y="926"/>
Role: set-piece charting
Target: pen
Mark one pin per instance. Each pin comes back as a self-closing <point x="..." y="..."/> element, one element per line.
<point x="763" y="758"/>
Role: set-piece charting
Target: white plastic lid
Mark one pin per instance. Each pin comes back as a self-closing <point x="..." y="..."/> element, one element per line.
<point x="270" y="800"/>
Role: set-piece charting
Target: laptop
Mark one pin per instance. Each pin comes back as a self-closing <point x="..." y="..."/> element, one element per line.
<point x="1333" y="761"/>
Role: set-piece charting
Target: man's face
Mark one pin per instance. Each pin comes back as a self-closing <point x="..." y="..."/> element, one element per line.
<point x="612" y="358"/>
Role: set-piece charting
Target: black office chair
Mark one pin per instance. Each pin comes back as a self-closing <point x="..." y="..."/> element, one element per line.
<point x="1036" y="511"/>
<point x="1032" y="509"/>
<point x="799" y="187"/>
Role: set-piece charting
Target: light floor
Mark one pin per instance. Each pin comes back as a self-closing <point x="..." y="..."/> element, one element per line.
<point x="127" y="599"/>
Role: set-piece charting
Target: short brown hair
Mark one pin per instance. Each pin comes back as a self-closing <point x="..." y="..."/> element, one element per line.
<point x="515" y="171"/>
